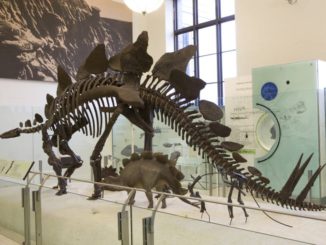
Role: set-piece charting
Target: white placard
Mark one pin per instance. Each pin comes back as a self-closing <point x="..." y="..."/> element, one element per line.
<point x="15" y="169"/>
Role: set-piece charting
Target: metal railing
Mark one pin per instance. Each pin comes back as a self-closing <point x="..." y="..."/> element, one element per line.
<point x="124" y="217"/>
<point x="185" y="197"/>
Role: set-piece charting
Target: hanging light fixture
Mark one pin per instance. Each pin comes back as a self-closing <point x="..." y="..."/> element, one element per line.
<point x="143" y="6"/>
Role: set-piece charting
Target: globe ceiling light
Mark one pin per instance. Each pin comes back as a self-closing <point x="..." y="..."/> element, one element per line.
<point x="143" y="6"/>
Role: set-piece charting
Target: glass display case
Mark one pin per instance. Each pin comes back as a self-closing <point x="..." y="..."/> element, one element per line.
<point x="72" y="219"/>
<point x="277" y="118"/>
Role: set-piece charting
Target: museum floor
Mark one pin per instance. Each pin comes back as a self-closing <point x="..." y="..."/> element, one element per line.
<point x="6" y="241"/>
<point x="73" y="218"/>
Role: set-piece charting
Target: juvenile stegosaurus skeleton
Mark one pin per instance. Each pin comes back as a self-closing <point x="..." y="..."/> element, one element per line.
<point x="100" y="96"/>
<point x="147" y="171"/>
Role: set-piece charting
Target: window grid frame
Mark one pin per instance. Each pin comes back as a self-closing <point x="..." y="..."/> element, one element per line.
<point x="218" y="21"/>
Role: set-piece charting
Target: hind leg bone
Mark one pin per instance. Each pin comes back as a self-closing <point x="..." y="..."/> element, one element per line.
<point x="149" y="196"/>
<point x="53" y="161"/>
<point x="240" y="201"/>
<point x="96" y="157"/>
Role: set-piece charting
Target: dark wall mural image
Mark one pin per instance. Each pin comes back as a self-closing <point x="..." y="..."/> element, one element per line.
<point x="38" y="35"/>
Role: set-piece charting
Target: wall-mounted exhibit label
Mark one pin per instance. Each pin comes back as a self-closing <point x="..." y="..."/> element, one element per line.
<point x="15" y="169"/>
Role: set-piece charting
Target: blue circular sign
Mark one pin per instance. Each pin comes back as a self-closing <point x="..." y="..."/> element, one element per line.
<point x="269" y="91"/>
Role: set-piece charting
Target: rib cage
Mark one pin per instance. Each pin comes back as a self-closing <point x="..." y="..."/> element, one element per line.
<point x="68" y="110"/>
<point x="170" y="108"/>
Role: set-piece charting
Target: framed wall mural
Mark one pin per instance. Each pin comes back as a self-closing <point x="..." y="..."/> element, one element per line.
<point x="38" y="35"/>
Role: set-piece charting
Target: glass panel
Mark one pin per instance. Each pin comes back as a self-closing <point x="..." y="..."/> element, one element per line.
<point x="208" y="68"/>
<point x="199" y="167"/>
<point x="209" y="92"/>
<point x="229" y="64"/>
<point x="228" y="36"/>
<point x="185" y="39"/>
<point x="191" y="68"/>
<point x="185" y="13"/>
<point x="72" y="219"/>
<point x="224" y="94"/>
<point x="196" y="232"/>
<point x="206" y="10"/>
<point x="165" y="140"/>
<point x="139" y="212"/>
<point x="20" y="148"/>
<point x="207" y="40"/>
<point x="123" y="141"/>
<point x="227" y="8"/>
<point x="11" y="211"/>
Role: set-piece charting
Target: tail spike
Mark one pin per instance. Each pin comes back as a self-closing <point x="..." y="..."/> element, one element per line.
<point x="294" y="177"/>
<point x="310" y="183"/>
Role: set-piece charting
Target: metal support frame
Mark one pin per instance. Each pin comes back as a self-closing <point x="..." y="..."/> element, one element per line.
<point x="210" y="169"/>
<point x="37" y="208"/>
<point x="106" y="161"/>
<point x="123" y="221"/>
<point x="123" y="227"/>
<point x="310" y="192"/>
<point x="148" y="233"/>
<point x="221" y="183"/>
<point x="26" y="204"/>
<point x="148" y="224"/>
<point x="40" y="168"/>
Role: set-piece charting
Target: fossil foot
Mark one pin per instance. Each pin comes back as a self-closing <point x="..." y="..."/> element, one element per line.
<point x="61" y="192"/>
<point x="94" y="197"/>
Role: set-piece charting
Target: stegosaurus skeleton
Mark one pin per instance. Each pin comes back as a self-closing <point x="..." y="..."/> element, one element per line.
<point x="100" y="97"/>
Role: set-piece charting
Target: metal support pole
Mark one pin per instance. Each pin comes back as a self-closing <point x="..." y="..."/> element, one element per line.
<point x="148" y="224"/>
<point x="221" y="184"/>
<point x="132" y="138"/>
<point x="206" y="178"/>
<point x="123" y="227"/>
<point x="131" y="226"/>
<point x="37" y="208"/>
<point x="27" y="207"/>
<point x="123" y="221"/>
<point x="148" y="234"/>
<point x="106" y="161"/>
<point x="40" y="168"/>
<point x="310" y="192"/>
<point x="210" y="169"/>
